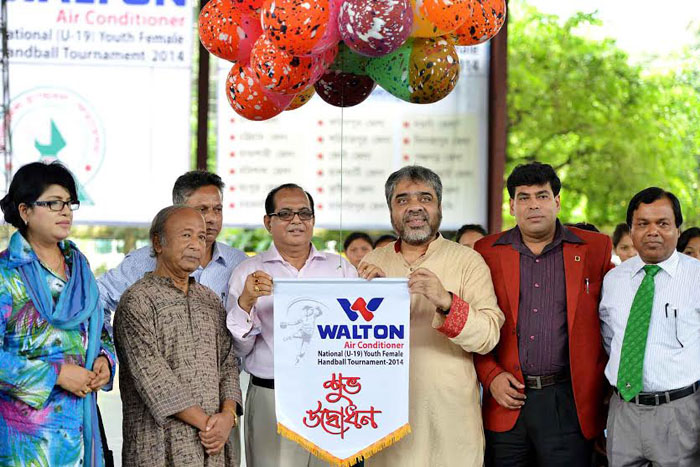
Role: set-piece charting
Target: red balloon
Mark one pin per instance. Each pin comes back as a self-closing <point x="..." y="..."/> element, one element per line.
<point x="283" y="73"/>
<point x="227" y="32"/>
<point x="301" y="27"/>
<point x="487" y="19"/>
<point x="249" y="99"/>
<point x="344" y="89"/>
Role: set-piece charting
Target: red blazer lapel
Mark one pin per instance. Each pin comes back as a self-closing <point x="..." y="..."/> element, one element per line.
<point x="510" y="265"/>
<point x="574" y="259"/>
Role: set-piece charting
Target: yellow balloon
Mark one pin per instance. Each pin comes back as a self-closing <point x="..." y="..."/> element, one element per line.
<point x="302" y="98"/>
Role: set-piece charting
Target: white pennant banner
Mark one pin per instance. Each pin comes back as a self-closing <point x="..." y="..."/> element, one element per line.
<point x="341" y="364"/>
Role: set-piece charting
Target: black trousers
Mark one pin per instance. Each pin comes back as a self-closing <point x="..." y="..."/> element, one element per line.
<point x="547" y="433"/>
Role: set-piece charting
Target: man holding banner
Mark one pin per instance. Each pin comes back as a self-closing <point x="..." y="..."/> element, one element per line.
<point x="290" y="220"/>
<point x="454" y="313"/>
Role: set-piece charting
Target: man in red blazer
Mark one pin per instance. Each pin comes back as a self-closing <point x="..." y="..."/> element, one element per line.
<point x="543" y="383"/>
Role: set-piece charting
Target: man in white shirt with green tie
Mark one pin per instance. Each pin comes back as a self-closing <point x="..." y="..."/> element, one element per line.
<point x="650" y="316"/>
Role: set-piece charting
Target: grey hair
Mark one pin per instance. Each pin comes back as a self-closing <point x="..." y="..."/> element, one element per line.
<point x="414" y="173"/>
<point x="190" y="182"/>
<point x="158" y="225"/>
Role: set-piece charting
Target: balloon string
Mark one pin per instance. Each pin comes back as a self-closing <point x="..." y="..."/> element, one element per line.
<point x="342" y="127"/>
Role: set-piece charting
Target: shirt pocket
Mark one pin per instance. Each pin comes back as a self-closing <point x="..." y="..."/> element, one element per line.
<point x="687" y="326"/>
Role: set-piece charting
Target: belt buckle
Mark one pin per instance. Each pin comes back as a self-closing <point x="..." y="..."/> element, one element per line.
<point x="656" y="399"/>
<point x="538" y="380"/>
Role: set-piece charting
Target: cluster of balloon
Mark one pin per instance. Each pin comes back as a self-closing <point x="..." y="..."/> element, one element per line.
<point x="286" y="51"/>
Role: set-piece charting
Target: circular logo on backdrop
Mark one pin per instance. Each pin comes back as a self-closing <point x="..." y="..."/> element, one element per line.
<point x="54" y="124"/>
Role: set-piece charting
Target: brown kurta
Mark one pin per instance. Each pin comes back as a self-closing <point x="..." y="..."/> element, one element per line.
<point x="174" y="352"/>
<point x="445" y="413"/>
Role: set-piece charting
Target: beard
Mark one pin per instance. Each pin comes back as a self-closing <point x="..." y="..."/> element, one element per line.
<point x="417" y="235"/>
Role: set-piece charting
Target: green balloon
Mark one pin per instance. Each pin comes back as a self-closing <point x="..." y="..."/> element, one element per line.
<point x="348" y="61"/>
<point x="391" y="71"/>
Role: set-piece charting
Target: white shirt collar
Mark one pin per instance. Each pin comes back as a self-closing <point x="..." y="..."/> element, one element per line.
<point x="669" y="265"/>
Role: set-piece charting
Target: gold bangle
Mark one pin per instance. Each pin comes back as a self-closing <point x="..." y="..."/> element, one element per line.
<point x="233" y="414"/>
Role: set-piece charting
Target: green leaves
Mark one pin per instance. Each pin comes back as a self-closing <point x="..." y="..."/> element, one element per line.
<point x="610" y="128"/>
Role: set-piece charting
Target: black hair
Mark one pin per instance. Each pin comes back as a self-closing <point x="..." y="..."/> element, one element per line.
<point x="583" y="226"/>
<point x="190" y="182"/>
<point x="470" y="228"/>
<point x="415" y="173"/>
<point x="384" y="238"/>
<point x="686" y="237"/>
<point x="534" y="173"/>
<point x="29" y="183"/>
<point x="621" y="230"/>
<point x="270" y="199"/>
<point x="648" y="196"/>
<point x="356" y="236"/>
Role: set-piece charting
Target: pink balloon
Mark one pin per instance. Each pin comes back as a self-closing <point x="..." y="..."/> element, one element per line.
<point x="375" y="27"/>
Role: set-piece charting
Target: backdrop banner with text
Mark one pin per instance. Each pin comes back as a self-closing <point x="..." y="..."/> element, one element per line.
<point x="339" y="345"/>
<point x="104" y="88"/>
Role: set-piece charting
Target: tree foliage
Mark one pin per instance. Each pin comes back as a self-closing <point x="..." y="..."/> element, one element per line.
<point x="609" y="128"/>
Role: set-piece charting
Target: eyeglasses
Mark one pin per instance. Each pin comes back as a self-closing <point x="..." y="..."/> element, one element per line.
<point x="287" y="214"/>
<point x="57" y="205"/>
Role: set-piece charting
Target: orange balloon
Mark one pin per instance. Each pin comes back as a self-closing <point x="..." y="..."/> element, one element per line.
<point x="281" y="72"/>
<point x="447" y="15"/>
<point x="422" y="25"/>
<point x="302" y="98"/>
<point x="301" y="27"/>
<point x="249" y="99"/>
<point x="227" y="32"/>
<point x="487" y="19"/>
<point x="249" y="6"/>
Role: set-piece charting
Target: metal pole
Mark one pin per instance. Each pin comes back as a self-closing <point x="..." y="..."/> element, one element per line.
<point x="6" y="144"/>
<point x="202" y="104"/>
<point x="498" y="127"/>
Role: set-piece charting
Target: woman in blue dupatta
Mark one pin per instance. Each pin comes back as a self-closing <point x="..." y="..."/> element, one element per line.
<point x="55" y="351"/>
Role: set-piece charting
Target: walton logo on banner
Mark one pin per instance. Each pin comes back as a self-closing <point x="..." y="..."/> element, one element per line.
<point x="361" y="307"/>
<point x="331" y="376"/>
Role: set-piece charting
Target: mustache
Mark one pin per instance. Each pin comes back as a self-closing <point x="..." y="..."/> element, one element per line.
<point x="422" y="215"/>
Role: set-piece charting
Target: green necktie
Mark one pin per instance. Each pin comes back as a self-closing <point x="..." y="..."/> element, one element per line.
<point x="629" y="375"/>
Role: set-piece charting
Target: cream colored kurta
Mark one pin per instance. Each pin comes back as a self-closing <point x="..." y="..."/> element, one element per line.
<point x="445" y="413"/>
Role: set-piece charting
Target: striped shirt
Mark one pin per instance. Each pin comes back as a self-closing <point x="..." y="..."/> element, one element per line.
<point x="137" y="263"/>
<point x="672" y="356"/>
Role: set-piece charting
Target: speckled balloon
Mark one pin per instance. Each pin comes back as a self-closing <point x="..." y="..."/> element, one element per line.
<point x="447" y="15"/>
<point x="226" y="32"/>
<point x="280" y="72"/>
<point x="422" y="26"/>
<point x="349" y="61"/>
<point x="422" y="71"/>
<point x="375" y="27"/>
<point x="301" y="27"/>
<point x="486" y="20"/>
<point x="249" y="6"/>
<point x="249" y="99"/>
<point x="344" y="89"/>
<point x="302" y="98"/>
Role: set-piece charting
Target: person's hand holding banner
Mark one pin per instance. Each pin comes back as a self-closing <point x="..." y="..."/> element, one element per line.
<point x="425" y="282"/>
<point x="257" y="284"/>
<point x="369" y="271"/>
